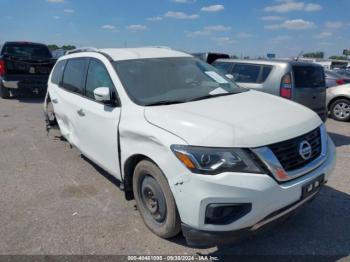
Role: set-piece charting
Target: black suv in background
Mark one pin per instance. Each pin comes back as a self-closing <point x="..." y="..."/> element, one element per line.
<point x="210" y="57"/>
<point x="24" y="66"/>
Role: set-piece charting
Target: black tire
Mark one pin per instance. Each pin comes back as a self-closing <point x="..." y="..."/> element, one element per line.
<point x="4" y="92"/>
<point x="340" y="110"/>
<point x="155" y="200"/>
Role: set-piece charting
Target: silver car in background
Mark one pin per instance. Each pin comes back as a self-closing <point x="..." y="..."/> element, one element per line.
<point x="301" y="82"/>
<point x="335" y="78"/>
<point x="338" y="102"/>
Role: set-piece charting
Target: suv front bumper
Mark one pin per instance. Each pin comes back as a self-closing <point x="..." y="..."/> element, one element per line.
<point x="271" y="201"/>
<point x="200" y="238"/>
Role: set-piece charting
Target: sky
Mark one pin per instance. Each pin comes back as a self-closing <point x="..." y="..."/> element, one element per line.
<point x="244" y="28"/>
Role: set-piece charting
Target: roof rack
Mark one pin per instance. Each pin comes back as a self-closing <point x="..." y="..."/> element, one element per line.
<point x="88" y="49"/>
<point x="158" y="46"/>
<point x="82" y="49"/>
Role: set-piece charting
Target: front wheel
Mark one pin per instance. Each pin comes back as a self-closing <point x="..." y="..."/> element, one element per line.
<point x="155" y="200"/>
<point x="340" y="110"/>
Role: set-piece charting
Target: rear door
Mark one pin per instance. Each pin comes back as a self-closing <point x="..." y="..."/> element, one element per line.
<point x="310" y="87"/>
<point x="67" y="97"/>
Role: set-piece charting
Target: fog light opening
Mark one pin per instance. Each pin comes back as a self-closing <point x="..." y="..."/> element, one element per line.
<point x="224" y="214"/>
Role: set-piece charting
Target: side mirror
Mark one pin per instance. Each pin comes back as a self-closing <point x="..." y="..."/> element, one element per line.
<point x="229" y="76"/>
<point x="102" y="94"/>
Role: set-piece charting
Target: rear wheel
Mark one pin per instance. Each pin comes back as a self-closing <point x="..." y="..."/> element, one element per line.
<point x="4" y="92"/>
<point x="340" y="110"/>
<point x="155" y="201"/>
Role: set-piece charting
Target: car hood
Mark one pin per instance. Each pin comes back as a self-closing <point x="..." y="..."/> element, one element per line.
<point x="248" y="119"/>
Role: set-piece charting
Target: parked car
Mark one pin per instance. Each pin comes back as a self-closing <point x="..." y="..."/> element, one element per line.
<point x="335" y="79"/>
<point x="338" y="102"/>
<point x="343" y="72"/>
<point x="301" y="82"/>
<point x="24" y="66"/>
<point x="210" y="57"/>
<point x="186" y="142"/>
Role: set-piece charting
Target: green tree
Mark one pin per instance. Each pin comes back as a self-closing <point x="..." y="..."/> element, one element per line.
<point x="53" y="47"/>
<point x="68" y="47"/>
<point x="64" y="47"/>
<point x="338" y="57"/>
<point x="317" y="54"/>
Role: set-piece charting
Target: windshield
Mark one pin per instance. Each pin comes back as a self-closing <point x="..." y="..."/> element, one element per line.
<point x="27" y="50"/>
<point x="172" y="80"/>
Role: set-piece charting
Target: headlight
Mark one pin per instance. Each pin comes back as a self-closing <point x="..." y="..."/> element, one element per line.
<point x="213" y="161"/>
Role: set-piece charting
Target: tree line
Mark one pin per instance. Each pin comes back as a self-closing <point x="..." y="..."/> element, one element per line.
<point x="64" y="47"/>
<point x="320" y="54"/>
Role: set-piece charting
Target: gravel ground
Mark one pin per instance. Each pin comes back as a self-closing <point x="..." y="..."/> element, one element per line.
<point x="54" y="201"/>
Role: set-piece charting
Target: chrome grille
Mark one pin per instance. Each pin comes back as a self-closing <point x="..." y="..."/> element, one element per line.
<point x="287" y="152"/>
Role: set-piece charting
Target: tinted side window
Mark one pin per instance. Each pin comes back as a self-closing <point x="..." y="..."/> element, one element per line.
<point x="57" y="72"/>
<point x="308" y="76"/>
<point x="98" y="76"/>
<point x="223" y="67"/>
<point x="74" y="75"/>
<point x="246" y="73"/>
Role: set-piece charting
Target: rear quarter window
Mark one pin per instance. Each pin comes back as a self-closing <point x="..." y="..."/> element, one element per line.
<point x="308" y="76"/>
<point x="265" y="73"/>
<point x="57" y="72"/>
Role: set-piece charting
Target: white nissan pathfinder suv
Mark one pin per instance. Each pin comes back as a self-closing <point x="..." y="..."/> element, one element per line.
<point x="197" y="152"/>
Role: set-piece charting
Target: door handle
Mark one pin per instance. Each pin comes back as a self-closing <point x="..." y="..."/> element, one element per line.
<point x="81" y="112"/>
<point x="55" y="101"/>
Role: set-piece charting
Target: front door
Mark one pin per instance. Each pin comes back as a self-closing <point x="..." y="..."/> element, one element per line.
<point x="98" y="122"/>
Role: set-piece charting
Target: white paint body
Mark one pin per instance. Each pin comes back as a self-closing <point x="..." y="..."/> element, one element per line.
<point x="249" y="120"/>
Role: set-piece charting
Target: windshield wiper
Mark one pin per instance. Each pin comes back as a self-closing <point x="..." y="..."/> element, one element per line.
<point x="209" y="96"/>
<point x="170" y="102"/>
<point x="166" y="102"/>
